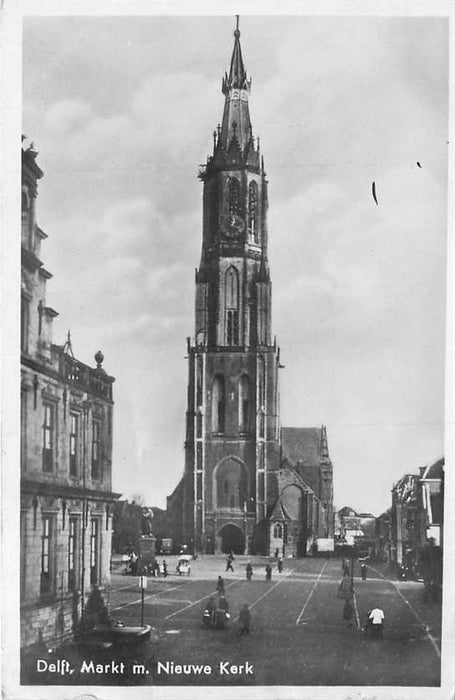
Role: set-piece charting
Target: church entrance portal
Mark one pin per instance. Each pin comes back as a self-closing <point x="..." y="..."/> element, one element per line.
<point x="232" y="539"/>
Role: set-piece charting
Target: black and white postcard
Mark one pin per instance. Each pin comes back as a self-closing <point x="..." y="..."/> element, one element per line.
<point x="227" y="396"/>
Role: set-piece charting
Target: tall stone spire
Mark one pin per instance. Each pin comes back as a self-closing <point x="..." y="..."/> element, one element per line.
<point x="236" y="130"/>
<point x="237" y="74"/>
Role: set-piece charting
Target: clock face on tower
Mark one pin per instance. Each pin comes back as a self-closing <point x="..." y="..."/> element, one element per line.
<point x="232" y="226"/>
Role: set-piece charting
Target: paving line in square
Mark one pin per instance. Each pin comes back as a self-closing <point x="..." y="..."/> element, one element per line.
<point x="269" y="590"/>
<point x="177" y="612"/>
<point x="311" y="593"/>
<point x="147" y="597"/>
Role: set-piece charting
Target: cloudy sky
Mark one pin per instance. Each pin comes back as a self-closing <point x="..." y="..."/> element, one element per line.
<point x="122" y="110"/>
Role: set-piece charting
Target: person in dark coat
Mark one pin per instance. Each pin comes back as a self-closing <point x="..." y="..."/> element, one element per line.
<point x="244" y="620"/>
<point x="249" y="571"/>
<point x="209" y="612"/>
<point x="134" y="563"/>
<point x="268" y="573"/>
<point x="222" y="613"/>
<point x="280" y="565"/>
<point x="363" y="571"/>
<point x="229" y="561"/>
<point x="220" y="585"/>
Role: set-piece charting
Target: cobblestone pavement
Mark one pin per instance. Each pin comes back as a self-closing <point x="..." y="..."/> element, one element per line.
<point x="298" y="634"/>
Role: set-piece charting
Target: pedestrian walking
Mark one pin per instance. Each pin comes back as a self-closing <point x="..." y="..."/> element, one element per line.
<point x="249" y="571"/>
<point x="268" y="573"/>
<point x="222" y="613"/>
<point x="363" y="571"/>
<point x="280" y="565"/>
<point x="208" y="616"/>
<point x="133" y="561"/>
<point x="220" y="585"/>
<point x="244" y="620"/>
<point x="229" y="561"/>
<point x="164" y="568"/>
<point x="345" y="567"/>
<point x="377" y="622"/>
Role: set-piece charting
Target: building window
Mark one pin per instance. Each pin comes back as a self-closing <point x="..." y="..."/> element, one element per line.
<point x="94" y="551"/>
<point x="232" y="306"/>
<point x="218" y="412"/>
<point x="72" y="554"/>
<point x="231" y="485"/>
<point x="96" y="449"/>
<point x="232" y="327"/>
<point x="234" y="196"/>
<point x="252" y="210"/>
<point x="244" y="404"/>
<point x="46" y="556"/>
<point x="74" y="446"/>
<point x="278" y="531"/>
<point x="199" y="486"/>
<point x="199" y="455"/>
<point x="199" y="424"/>
<point x="48" y="436"/>
<point x="25" y="323"/>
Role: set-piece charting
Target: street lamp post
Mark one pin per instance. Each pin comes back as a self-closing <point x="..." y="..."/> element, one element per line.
<point x="353" y="553"/>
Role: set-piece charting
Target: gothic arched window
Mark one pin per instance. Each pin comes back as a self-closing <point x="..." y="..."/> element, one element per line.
<point x="231" y="485"/>
<point x="278" y="531"/>
<point x="252" y="210"/>
<point x="232" y="306"/>
<point x="234" y="196"/>
<point x="244" y="404"/>
<point x="218" y="412"/>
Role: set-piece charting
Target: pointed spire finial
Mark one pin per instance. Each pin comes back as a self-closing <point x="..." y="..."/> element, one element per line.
<point x="237" y="73"/>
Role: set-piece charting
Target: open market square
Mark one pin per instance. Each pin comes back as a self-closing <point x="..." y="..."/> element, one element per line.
<point x="298" y="633"/>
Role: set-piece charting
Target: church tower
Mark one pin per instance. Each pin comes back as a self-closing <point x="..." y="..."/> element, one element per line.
<point x="232" y="421"/>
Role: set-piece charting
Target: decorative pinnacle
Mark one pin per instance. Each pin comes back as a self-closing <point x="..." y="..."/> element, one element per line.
<point x="237" y="30"/>
<point x="99" y="358"/>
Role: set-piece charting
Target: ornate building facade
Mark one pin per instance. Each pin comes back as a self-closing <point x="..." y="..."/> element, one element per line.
<point x="234" y="471"/>
<point x="66" y="453"/>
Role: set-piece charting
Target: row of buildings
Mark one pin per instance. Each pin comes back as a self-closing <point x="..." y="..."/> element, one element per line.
<point x="409" y="534"/>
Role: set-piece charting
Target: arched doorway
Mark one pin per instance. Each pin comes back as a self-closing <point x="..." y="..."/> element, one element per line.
<point x="232" y="539"/>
